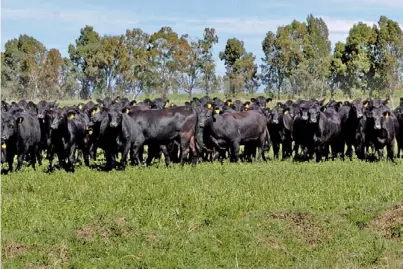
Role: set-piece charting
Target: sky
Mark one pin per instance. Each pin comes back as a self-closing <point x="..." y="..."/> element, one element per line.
<point x="57" y="23"/>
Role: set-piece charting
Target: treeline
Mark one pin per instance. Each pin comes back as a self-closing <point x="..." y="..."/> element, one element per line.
<point x="298" y="61"/>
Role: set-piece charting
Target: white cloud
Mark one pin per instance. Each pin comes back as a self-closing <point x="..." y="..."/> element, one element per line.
<point x="373" y="3"/>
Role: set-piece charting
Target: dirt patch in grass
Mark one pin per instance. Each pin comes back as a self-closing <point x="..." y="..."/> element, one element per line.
<point x="303" y="223"/>
<point x="389" y="223"/>
<point x="11" y="250"/>
<point x="99" y="228"/>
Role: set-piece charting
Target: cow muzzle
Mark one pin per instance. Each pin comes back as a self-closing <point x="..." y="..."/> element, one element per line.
<point x="377" y="126"/>
<point x="304" y="117"/>
<point x="114" y="124"/>
<point x="201" y="124"/>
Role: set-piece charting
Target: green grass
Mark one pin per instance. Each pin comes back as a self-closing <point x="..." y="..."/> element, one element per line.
<point x="262" y="215"/>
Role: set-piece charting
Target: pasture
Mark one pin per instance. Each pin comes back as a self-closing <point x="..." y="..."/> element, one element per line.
<point x="278" y="214"/>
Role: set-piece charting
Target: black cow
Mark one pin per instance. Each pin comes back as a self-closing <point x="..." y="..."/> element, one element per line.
<point x="161" y="127"/>
<point x="280" y="129"/>
<point x="399" y="134"/>
<point x="328" y="131"/>
<point x="232" y="130"/>
<point x="21" y="135"/>
<point x="67" y="135"/>
<point x="381" y="126"/>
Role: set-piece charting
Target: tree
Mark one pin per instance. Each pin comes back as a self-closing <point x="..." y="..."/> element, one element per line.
<point x="241" y="69"/>
<point x="208" y="65"/>
<point x="164" y="44"/>
<point x="82" y="54"/>
<point x="135" y="63"/>
<point x="389" y="55"/>
<point x="298" y="53"/>
<point x="195" y="62"/>
<point x="105" y="63"/>
<point x="50" y="75"/>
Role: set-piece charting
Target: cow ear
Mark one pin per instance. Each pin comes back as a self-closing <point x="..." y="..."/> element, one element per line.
<point x="323" y="108"/>
<point x="71" y="115"/>
<point x="269" y="100"/>
<point x="252" y="100"/>
<point x="387" y="115"/>
<point x="133" y="102"/>
<point x="279" y="104"/>
<point x="286" y="111"/>
<point x="209" y="106"/>
<point x="20" y="119"/>
<point x="125" y="110"/>
<point x="365" y="103"/>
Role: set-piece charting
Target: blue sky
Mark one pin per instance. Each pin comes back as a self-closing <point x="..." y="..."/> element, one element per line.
<point x="57" y="23"/>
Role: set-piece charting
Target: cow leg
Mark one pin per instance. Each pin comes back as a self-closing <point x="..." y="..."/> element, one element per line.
<point x="390" y="153"/>
<point x="235" y="151"/>
<point x="71" y="159"/>
<point x="109" y="160"/>
<point x="276" y="150"/>
<point x="10" y="161"/>
<point x="193" y="151"/>
<point x="33" y="153"/>
<point x="124" y="155"/>
<point x="138" y="150"/>
<point x="166" y="153"/>
<point x="21" y="158"/>
<point x="184" y="150"/>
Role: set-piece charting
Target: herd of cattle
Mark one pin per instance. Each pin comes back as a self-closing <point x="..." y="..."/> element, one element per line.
<point x="204" y="129"/>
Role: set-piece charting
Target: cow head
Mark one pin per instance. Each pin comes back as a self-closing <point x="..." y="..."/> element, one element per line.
<point x="275" y="115"/>
<point x="8" y="127"/>
<point x="59" y="119"/>
<point x="115" y="118"/>
<point x="304" y="112"/>
<point x="314" y="114"/>
<point x="381" y="116"/>
<point x="205" y="115"/>
<point x="261" y="101"/>
<point x="357" y="108"/>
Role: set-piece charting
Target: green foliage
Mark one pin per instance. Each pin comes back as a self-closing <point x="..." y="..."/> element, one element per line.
<point x="297" y="62"/>
<point x="29" y="70"/>
<point x="262" y="215"/>
<point x="298" y="55"/>
<point x="241" y="68"/>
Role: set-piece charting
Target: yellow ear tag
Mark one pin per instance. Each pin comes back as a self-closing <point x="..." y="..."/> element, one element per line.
<point x="366" y="105"/>
<point x="217" y="111"/>
<point x="247" y="106"/>
<point x="93" y="112"/>
<point x="126" y="111"/>
<point x="3" y="146"/>
<point x="90" y="132"/>
<point x="229" y="103"/>
<point x="286" y="112"/>
<point x="71" y="116"/>
<point x="387" y="115"/>
<point x="208" y="106"/>
<point x="80" y="107"/>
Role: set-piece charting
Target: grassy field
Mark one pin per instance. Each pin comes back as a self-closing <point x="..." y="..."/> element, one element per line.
<point x="263" y="215"/>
